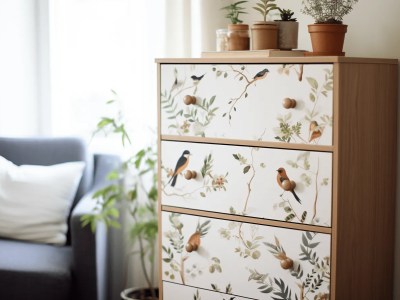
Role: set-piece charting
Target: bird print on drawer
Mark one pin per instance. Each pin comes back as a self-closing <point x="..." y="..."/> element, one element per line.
<point x="181" y="165"/>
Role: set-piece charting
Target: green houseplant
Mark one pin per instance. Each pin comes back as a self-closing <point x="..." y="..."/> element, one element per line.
<point x="264" y="34"/>
<point x="328" y="32"/>
<point x="134" y="188"/>
<point x="238" y="33"/>
<point x="288" y="30"/>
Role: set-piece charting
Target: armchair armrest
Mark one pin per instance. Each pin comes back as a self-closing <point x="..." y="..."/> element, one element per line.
<point x="89" y="250"/>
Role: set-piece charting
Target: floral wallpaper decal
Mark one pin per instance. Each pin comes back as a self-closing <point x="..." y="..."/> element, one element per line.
<point x="222" y="95"/>
<point x="309" y="177"/>
<point x="249" y="81"/>
<point x="178" y="248"/>
<point x="210" y="182"/>
<point x="228" y="291"/>
<point x="290" y="130"/>
<point x="287" y="68"/>
<point x="196" y="117"/>
<point x="317" y="280"/>
<point x="247" y="243"/>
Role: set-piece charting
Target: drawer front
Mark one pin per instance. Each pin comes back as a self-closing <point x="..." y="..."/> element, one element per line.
<point x="254" y="261"/>
<point x="173" y="291"/>
<point x="244" y="181"/>
<point x="245" y="102"/>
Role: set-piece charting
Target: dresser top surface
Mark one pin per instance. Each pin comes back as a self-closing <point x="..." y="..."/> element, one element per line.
<point x="262" y="60"/>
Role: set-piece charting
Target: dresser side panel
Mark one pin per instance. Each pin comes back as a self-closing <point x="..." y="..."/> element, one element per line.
<point x="366" y="152"/>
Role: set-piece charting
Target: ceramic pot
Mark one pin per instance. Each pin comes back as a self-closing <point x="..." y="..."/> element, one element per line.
<point x="264" y="35"/>
<point x="327" y="39"/>
<point x="288" y="34"/>
<point x="238" y="37"/>
<point x="138" y="294"/>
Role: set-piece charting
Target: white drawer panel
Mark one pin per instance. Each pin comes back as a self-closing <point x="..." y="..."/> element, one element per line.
<point x="230" y="103"/>
<point x="173" y="291"/>
<point x="254" y="261"/>
<point x="243" y="180"/>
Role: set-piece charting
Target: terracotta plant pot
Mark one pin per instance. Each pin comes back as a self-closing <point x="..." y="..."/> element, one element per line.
<point x="138" y="294"/>
<point x="238" y="37"/>
<point x="264" y="35"/>
<point x="288" y="34"/>
<point x="327" y="39"/>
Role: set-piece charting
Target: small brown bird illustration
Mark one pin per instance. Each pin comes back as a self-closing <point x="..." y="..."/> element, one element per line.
<point x="181" y="165"/>
<point x="261" y="75"/>
<point x="315" y="131"/>
<point x="285" y="183"/>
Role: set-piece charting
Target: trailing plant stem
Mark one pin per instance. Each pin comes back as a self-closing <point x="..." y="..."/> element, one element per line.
<point x="142" y="262"/>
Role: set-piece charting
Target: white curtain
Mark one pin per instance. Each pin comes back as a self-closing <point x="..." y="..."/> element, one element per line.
<point x="99" y="45"/>
<point x="191" y="25"/>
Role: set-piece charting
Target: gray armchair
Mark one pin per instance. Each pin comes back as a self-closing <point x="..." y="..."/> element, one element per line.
<point x="77" y="270"/>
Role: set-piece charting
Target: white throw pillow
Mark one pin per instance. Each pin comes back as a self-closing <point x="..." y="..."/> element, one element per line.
<point x="35" y="200"/>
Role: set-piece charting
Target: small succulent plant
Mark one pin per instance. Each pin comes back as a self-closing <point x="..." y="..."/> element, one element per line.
<point x="234" y="10"/>
<point x="328" y="11"/>
<point x="264" y="7"/>
<point x="287" y="15"/>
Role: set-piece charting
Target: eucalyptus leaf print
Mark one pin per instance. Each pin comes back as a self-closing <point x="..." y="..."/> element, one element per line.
<point x="286" y="69"/>
<point x="192" y="118"/>
<point x="309" y="179"/>
<point x="242" y="75"/>
<point x="209" y="182"/>
<point x="315" y="122"/>
<point x="311" y="285"/>
<point x="177" y="254"/>
<point x="238" y="101"/>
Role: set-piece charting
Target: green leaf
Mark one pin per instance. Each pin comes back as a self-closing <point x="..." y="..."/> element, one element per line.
<point x="259" y="10"/>
<point x="287" y="209"/>
<point x="305" y="241"/>
<point x="313" y="245"/>
<point x="312" y="82"/>
<point x="289" y="217"/>
<point x="304" y="216"/>
<point x="246" y="169"/>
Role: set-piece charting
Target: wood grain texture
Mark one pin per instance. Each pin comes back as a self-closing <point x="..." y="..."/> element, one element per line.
<point x="249" y="143"/>
<point x="335" y="166"/>
<point x="243" y="219"/>
<point x="160" y="285"/>
<point x="279" y="60"/>
<point x="366" y="181"/>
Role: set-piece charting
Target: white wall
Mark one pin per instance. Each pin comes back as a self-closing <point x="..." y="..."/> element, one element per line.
<point x="18" y="68"/>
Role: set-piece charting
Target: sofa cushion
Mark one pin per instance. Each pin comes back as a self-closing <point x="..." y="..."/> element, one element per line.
<point x="35" y="200"/>
<point x="34" y="271"/>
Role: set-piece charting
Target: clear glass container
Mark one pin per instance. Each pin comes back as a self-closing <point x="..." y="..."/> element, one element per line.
<point x="222" y="40"/>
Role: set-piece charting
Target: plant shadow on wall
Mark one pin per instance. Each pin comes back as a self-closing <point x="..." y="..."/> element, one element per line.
<point x="132" y="191"/>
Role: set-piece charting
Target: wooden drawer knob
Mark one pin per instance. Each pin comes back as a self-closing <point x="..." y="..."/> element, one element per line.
<point x="189" y="100"/>
<point x="289" y="103"/>
<point x="190" y="174"/>
<point x="287" y="263"/>
<point x="288" y="185"/>
<point x="193" y="243"/>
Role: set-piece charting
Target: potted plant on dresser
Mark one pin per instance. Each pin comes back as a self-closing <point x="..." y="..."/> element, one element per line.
<point x="264" y="34"/>
<point x="288" y="30"/>
<point x="238" y="33"/>
<point x="328" y="32"/>
<point x="132" y="191"/>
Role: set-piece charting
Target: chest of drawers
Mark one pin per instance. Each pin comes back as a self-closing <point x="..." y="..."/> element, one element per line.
<point x="277" y="178"/>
